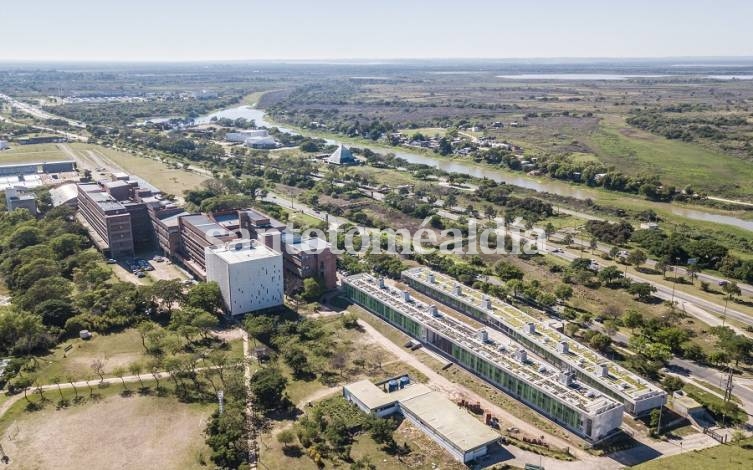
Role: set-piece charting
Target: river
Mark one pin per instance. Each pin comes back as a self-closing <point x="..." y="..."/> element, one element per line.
<point x="453" y="166"/>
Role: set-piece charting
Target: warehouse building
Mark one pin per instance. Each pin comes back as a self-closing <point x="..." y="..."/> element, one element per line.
<point x="637" y="394"/>
<point x="554" y="393"/>
<point x="460" y="434"/>
<point x="249" y="275"/>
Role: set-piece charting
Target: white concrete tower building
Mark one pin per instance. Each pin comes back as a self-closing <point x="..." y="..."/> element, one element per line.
<point x="249" y="275"/>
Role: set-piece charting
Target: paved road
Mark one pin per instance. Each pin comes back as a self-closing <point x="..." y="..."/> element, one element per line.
<point x="37" y="112"/>
<point x="746" y="289"/>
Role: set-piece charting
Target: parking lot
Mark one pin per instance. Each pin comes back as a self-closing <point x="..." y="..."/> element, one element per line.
<point x="147" y="269"/>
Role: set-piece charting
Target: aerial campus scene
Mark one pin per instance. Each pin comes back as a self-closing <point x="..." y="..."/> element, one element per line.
<point x="399" y="235"/>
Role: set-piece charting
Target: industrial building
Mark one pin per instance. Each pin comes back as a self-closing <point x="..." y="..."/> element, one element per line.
<point x="249" y="275"/>
<point x="462" y="435"/>
<point x="555" y="393"/>
<point x="16" y="198"/>
<point x="637" y="394"/>
<point x="34" y="168"/>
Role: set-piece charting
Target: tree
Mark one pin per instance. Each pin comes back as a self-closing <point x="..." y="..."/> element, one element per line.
<point x="381" y="430"/>
<point x="23" y="382"/>
<point x="98" y="366"/>
<point x="167" y="292"/>
<point x="312" y="289"/>
<point x="563" y="292"/>
<point x="632" y="319"/>
<point x="120" y="373"/>
<point x="286" y="437"/>
<point x="206" y="296"/>
<point x="549" y="230"/>
<point x="609" y="274"/>
<point x="135" y="368"/>
<point x="260" y="327"/>
<point x="568" y="239"/>
<point x="450" y="201"/>
<point x="672" y="384"/>
<point x="296" y="359"/>
<point x="637" y="258"/>
<point x="642" y="290"/>
<point x="599" y="341"/>
<point x="267" y="387"/>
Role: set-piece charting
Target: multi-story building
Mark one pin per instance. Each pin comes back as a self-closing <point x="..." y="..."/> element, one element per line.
<point x="118" y="212"/>
<point x="637" y="394"/>
<point x="20" y="199"/>
<point x="249" y="275"/>
<point x="108" y="221"/>
<point x="165" y="222"/>
<point x="198" y="232"/>
<point x="557" y="394"/>
<point x="303" y="258"/>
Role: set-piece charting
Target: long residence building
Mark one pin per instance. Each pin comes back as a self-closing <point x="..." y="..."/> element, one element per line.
<point x="556" y="394"/>
<point x="108" y="221"/>
<point x="637" y="394"/>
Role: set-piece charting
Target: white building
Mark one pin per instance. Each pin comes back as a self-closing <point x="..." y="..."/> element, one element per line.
<point x="241" y="137"/>
<point x="249" y="275"/>
<point x="459" y="433"/>
<point x="260" y="142"/>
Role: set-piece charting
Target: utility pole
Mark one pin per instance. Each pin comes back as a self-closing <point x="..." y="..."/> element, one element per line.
<point x="730" y="384"/>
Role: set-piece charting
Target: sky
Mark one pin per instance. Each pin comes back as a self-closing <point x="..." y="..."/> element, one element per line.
<point x="223" y="30"/>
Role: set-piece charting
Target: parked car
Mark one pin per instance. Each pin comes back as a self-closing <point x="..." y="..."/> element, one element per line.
<point x="112" y="261"/>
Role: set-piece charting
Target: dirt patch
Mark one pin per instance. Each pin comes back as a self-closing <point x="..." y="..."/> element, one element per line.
<point x="135" y="432"/>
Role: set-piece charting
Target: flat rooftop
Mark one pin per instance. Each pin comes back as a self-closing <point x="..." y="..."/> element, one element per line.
<point x="241" y="251"/>
<point x="204" y="224"/>
<point x="455" y="425"/>
<point x="538" y="374"/>
<point x="579" y="357"/>
<point x="374" y="397"/>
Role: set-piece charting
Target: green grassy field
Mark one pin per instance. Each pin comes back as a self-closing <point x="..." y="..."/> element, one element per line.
<point x="36" y="153"/>
<point x="169" y="180"/>
<point x="116" y="350"/>
<point x="426" y="131"/>
<point x="678" y="163"/>
<point x="722" y="457"/>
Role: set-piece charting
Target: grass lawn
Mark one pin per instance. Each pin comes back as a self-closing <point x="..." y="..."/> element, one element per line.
<point x="425" y="131"/>
<point x="721" y="457"/>
<point x="110" y="431"/>
<point x="36" y="153"/>
<point x="679" y="163"/>
<point x="116" y="350"/>
<point x="169" y="180"/>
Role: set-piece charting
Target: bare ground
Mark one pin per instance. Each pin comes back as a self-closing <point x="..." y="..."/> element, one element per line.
<point x="135" y="432"/>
